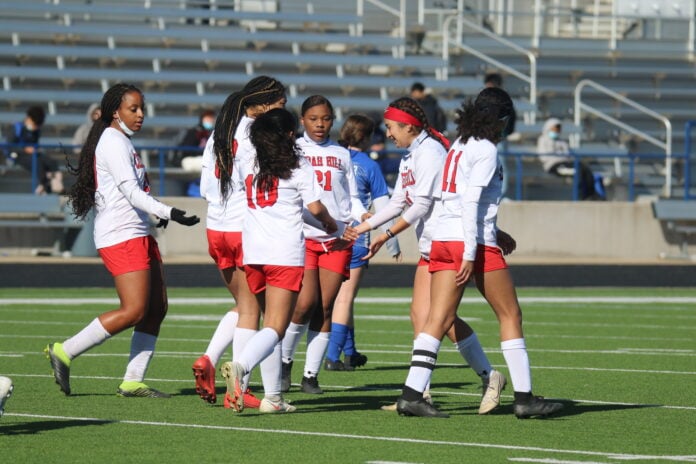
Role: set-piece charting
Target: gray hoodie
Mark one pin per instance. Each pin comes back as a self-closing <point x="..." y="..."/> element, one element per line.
<point x="552" y="151"/>
<point x="80" y="136"/>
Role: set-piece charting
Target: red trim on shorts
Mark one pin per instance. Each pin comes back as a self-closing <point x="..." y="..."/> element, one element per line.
<point x="423" y="262"/>
<point x="318" y="255"/>
<point x="448" y="256"/>
<point x="225" y="248"/>
<point x="260" y="275"/>
<point x="132" y="255"/>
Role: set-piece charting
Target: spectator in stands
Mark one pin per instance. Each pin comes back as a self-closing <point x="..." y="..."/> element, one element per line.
<point x="194" y="140"/>
<point x="80" y="136"/>
<point x="555" y="158"/>
<point x="27" y="133"/>
<point x="435" y="114"/>
<point x="111" y="179"/>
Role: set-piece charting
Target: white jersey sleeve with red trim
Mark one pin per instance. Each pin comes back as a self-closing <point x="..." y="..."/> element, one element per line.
<point x="122" y="199"/>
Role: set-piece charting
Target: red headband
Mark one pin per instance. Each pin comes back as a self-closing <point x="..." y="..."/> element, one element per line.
<point x="395" y="114"/>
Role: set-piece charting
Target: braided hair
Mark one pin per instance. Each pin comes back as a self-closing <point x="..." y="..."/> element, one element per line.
<point x="273" y="136"/>
<point x="82" y="193"/>
<point x="262" y="90"/>
<point x="485" y="117"/>
<point x="412" y="107"/>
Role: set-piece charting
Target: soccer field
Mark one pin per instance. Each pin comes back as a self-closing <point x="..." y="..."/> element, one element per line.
<point x="622" y="360"/>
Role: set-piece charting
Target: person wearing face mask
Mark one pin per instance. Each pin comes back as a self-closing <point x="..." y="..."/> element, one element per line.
<point x="26" y="135"/>
<point x="193" y="142"/>
<point x="111" y="179"/>
<point x="555" y="158"/>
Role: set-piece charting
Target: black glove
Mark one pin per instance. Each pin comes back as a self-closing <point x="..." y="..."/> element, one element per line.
<point x="180" y="217"/>
<point x="163" y="223"/>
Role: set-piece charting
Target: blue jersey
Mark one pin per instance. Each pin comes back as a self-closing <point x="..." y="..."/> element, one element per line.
<point x="371" y="184"/>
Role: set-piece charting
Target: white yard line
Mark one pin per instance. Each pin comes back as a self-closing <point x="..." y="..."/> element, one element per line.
<point x="601" y="454"/>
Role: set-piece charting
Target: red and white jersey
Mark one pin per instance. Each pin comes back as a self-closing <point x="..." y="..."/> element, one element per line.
<point x="272" y="232"/>
<point x="471" y="164"/>
<point x="226" y="216"/>
<point x="339" y="192"/>
<point x="420" y="175"/>
<point x="122" y="198"/>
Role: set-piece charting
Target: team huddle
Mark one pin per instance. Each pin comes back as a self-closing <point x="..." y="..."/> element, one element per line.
<point x="288" y="226"/>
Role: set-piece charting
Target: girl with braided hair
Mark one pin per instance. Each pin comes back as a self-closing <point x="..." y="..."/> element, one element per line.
<point x="418" y="188"/>
<point x="466" y="243"/>
<point x="327" y="258"/>
<point x="227" y="146"/>
<point x="111" y="179"/>
<point x="280" y="184"/>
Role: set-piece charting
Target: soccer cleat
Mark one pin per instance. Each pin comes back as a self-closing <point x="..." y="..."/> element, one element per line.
<point x="60" y="363"/>
<point x="336" y="365"/>
<point x="6" y="388"/>
<point x="492" y="388"/>
<point x="388" y="407"/>
<point x="535" y="406"/>
<point x="427" y="396"/>
<point x="233" y="372"/>
<point x="311" y="385"/>
<point x="269" y="406"/>
<point x="204" y="372"/>
<point x="286" y="370"/>
<point x="250" y="400"/>
<point x="355" y="360"/>
<point x="420" y="408"/>
<point x="131" y="389"/>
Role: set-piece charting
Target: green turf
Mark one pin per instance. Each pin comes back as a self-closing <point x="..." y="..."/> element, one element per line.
<point x="625" y="370"/>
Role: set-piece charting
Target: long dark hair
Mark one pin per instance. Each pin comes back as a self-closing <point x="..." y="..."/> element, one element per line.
<point x="485" y="117"/>
<point x="412" y="107"/>
<point x="262" y="90"/>
<point x="273" y="136"/>
<point x="81" y="195"/>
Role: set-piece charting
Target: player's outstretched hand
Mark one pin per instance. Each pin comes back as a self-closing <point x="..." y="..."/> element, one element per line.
<point x="180" y="217"/>
<point x="163" y="223"/>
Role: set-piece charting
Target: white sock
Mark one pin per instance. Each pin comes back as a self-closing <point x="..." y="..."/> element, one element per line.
<point x="239" y="344"/>
<point x="270" y="373"/>
<point x="293" y="335"/>
<point x="515" y="353"/>
<point x="92" y="335"/>
<point x="472" y="352"/>
<point x="258" y="348"/>
<point x="317" y="344"/>
<point x="142" y="349"/>
<point x="223" y="336"/>
<point x="425" y="348"/>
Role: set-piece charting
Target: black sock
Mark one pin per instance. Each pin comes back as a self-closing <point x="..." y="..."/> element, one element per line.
<point x="409" y="394"/>
<point x="523" y="397"/>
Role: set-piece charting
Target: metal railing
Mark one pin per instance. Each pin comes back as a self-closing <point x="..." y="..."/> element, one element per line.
<point x="666" y="145"/>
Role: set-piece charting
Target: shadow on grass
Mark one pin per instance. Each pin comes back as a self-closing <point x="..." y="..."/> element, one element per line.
<point x="32" y="428"/>
<point x="570" y="408"/>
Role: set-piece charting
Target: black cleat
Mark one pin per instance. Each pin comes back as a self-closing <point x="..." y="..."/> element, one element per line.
<point x="420" y="408"/>
<point x="61" y="369"/>
<point x="311" y="385"/>
<point x="286" y="370"/>
<point x="355" y="360"/>
<point x="336" y="366"/>
<point x="535" y="406"/>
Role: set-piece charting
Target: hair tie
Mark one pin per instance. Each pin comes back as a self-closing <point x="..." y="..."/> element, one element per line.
<point x="395" y="114"/>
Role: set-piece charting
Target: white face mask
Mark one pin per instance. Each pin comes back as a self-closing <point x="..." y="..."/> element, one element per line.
<point x="123" y="126"/>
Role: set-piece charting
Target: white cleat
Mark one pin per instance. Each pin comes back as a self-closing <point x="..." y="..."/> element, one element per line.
<point x="269" y="406"/>
<point x="491" y="392"/>
<point x="6" y="388"/>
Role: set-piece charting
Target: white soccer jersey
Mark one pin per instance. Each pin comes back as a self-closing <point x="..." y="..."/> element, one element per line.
<point x="420" y="175"/>
<point x="471" y="164"/>
<point x="122" y="194"/>
<point x="225" y="216"/>
<point x="272" y="232"/>
<point x="334" y="171"/>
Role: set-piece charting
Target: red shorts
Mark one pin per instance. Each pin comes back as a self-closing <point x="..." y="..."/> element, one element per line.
<point x="316" y="256"/>
<point x="448" y="256"/>
<point x="132" y="255"/>
<point x="423" y="262"/>
<point x="260" y="275"/>
<point x="225" y="248"/>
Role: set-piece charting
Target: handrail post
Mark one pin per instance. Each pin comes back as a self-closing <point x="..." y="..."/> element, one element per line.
<point x="160" y="156"/>
<point x="576" y="177"/>
<point x="687" y="158"/>
<point x="34" y="168"/>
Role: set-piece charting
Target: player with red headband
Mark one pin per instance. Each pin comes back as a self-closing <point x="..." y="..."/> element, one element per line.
<point x="417" y="188"/>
